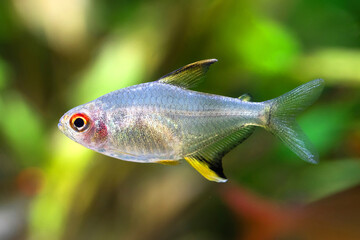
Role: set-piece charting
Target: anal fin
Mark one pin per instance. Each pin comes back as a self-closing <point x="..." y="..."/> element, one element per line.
<point x="208" y="161"/>
<point x="207" y="169"/>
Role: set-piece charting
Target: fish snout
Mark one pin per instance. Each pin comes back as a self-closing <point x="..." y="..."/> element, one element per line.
<point x="62" y="124"/>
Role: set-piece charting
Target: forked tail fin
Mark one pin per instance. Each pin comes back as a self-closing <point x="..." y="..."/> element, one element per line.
<point x="282" y="113"/>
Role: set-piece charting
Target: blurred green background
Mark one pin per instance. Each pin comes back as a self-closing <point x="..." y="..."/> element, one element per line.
<point x="57" y="54"/>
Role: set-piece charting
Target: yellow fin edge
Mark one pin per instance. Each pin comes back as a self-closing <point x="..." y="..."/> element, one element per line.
<point x="204" y="170"/>
<point x="168" y="162"/>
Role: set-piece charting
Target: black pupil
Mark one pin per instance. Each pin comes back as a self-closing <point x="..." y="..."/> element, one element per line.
<point x="79" y="122"/>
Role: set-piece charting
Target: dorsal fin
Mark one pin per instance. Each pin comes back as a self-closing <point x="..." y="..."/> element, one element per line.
<point x="245" y="97"/>
<point x="208" y="161"/>
<point x="188" y="75"/>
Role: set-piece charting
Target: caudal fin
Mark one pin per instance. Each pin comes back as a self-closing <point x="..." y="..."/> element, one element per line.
<point x="282" y="113"/>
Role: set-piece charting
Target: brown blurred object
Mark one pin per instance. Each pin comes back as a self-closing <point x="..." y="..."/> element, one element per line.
<point x="29" y="181"/>
<point x="14" y="210"/>
<point x="334" y="217"/>
<point x="353" y="143"/>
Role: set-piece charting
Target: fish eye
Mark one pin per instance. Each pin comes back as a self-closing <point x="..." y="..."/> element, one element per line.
<point x="79" y="122"/>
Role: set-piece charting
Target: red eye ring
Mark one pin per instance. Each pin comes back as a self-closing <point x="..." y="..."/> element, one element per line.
<point x="79" y="122"/>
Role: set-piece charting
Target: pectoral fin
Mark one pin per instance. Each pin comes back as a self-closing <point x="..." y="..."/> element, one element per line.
<point x="208" y="161"/>
<point x="188" y="75"/>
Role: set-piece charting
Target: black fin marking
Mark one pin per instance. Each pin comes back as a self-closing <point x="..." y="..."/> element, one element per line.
<point x="188" y="75"/>
<point x="208" y="161"/>
<point x="211" y="170"/>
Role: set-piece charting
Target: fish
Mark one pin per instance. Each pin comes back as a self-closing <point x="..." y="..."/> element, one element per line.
<point x="165" y="122"/>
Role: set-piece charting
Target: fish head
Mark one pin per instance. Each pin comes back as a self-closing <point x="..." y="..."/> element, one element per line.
<point x="85" y="124"/>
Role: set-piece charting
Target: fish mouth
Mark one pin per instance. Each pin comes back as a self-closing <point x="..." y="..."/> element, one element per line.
<point x="62" y="127"/>
<point x="61" y="124"/>
<point x="65" y="128"/>
<point x="65" y="131"/>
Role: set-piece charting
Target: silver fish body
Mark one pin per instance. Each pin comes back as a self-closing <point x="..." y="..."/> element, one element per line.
<point x="163" y="121"/>
<point x="156" y="121"/>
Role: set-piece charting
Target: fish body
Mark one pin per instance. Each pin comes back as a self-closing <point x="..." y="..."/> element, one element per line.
<point x="163" y="121"/>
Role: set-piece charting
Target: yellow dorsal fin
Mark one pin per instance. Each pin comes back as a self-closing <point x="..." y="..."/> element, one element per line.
<point x="188" y="75"/>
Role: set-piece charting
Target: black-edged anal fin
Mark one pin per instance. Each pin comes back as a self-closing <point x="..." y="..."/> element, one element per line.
<point x="188" y="75"/>
<point x="211" y="169"/>
<point x="208" y="161"/>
